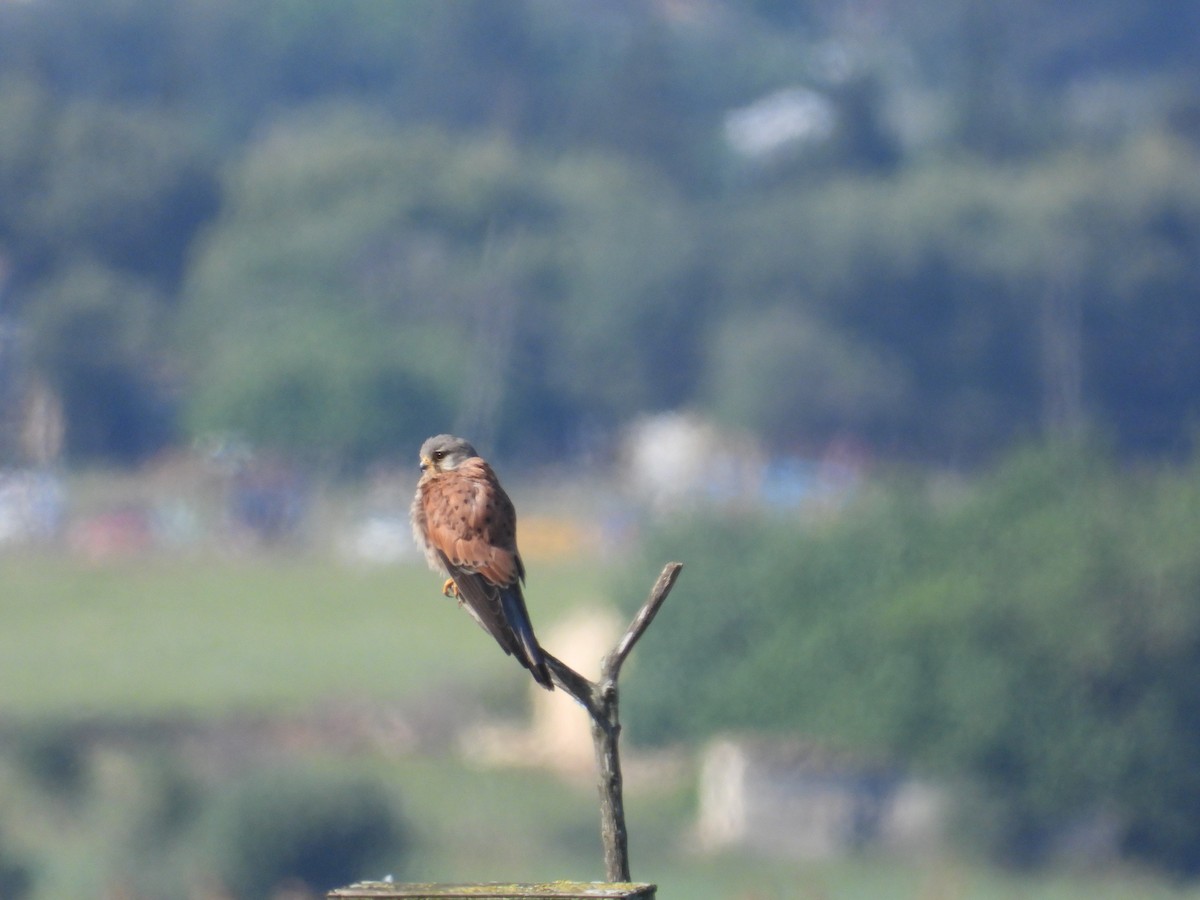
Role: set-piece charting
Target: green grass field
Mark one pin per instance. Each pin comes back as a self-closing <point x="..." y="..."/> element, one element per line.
<point x="184" y="636"/>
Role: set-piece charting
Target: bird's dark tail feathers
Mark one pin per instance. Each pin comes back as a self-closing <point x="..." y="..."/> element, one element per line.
<point x="531" y="652"/>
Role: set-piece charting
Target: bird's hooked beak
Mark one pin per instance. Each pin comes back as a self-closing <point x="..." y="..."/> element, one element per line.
<point x="426" y="463"/>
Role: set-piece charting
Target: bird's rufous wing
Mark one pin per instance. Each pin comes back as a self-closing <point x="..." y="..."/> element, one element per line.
<point x="472" y="525"/>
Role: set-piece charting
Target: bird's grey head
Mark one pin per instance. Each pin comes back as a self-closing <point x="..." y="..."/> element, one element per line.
<point x="445" y="452"/>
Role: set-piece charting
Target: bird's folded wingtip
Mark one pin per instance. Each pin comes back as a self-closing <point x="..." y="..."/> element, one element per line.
<point x="541" y="674"/>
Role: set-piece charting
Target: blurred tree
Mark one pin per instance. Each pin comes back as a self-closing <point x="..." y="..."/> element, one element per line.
<point x="1007" y="299"/>
<point x="292" y="319"/>
<point x="128" y="188"/>
<point x="642" y="114"/>
<point x="320" y="388"/>
<point x="459" y="274"/>
<point x="101" y="206"/>
<point x="26" y="129"/>
<point x="794" y="381"/>
<point x="631" y="312"/>
<point x="95" y="336"/>
<point x="1138" y="218"/>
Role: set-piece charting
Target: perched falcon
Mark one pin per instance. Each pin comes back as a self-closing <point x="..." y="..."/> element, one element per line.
<point x="467" y="527"/>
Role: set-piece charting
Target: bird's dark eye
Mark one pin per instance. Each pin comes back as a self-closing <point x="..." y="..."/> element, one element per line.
<point x="439" y="455"/>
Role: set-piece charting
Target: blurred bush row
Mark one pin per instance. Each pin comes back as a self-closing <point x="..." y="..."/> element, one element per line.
<point x="1035" y="634"/>
<point x="144" y="823"/>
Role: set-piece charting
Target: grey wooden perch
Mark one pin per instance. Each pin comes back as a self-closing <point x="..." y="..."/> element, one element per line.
<point x="553" y="890"/>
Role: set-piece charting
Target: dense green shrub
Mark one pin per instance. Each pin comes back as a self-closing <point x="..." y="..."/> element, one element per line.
<point x="324" y="829"/>
<point x="54" y="758"/>
<point x="16" y="876"/>
<point x="1037" y="633"/>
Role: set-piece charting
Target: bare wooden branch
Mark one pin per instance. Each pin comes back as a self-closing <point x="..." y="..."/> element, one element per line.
<point x="642" y="620"/>
<point x="611" y="786"/>
<point x="601" y="700"/>
<point x="584" y="691"/>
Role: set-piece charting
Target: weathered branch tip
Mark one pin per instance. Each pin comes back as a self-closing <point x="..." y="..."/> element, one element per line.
<point x="645" y="615"/>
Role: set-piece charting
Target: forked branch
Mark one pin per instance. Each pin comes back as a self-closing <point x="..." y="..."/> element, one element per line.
<point x="601" y="700"/>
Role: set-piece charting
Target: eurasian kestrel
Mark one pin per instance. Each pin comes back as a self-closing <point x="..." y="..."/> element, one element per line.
<point x="467" y="526"/>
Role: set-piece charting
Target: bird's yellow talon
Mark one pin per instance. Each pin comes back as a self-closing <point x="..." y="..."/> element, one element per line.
<point x="450" y="589"/>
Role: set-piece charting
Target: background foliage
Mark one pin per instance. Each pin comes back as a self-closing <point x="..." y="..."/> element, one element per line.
<point x="1036" y="633"/>
<point x="527" y="219"/>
